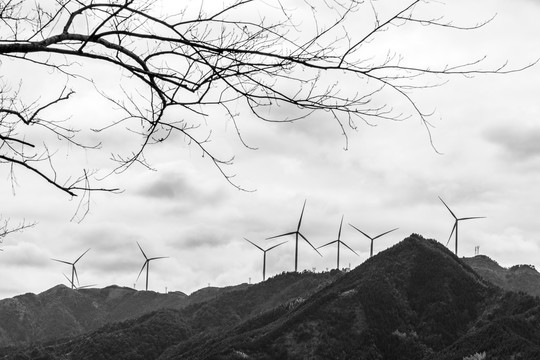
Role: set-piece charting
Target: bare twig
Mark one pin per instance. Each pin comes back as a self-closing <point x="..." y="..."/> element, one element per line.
<point x="182" y="66"/>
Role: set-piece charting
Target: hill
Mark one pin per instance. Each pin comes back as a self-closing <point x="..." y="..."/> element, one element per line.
<point x="62" y="312"/>
<point x="409" y="302"/>
<point x="517" y="278"/>
<point x="414" y="301"/>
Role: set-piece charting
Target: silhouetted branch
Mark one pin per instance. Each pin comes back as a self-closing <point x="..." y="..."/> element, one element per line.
<point x="5" y="229"/>
<point x="179" y="68"/>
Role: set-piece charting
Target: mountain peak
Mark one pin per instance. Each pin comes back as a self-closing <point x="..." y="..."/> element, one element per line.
<point x="416" y="253"/>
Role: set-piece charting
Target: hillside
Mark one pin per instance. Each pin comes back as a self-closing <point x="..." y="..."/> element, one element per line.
<point x="63" y="312"/>
<point x="413" y="301"/>
<point x="408" y="302"/>
<point x="517" y="278"/>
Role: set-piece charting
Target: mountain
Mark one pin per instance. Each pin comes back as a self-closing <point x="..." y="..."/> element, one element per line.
<point x="408" y="302"/>
<point x="517" y="278"/>
<point x="416" y="301"/>
<point x="62" y="312"/>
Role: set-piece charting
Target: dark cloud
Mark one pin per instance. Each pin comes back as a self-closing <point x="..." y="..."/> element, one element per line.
<point x="167" y="186"/>
<point x="181" y="193"/>
<point x="196" y="238"/>
<point x="516" y="142"/>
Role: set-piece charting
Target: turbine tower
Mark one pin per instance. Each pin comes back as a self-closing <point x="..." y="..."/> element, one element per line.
<point x="339" y="242"/>
<point x="73" y="268"/>
<point x="457" y="220"/>
<point x="264" y="254"/>
<point x="297" y="234"/>
<point x="147" y="264"/>
<point x="372" y="238"/>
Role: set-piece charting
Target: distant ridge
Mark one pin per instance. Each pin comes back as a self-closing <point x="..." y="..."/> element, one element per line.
<point x="61" y="312"/>
<point x="517" y="278"/>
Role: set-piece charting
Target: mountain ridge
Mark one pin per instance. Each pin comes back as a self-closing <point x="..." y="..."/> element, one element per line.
<point x="69" y="312"/>
<point x="61" y="312"/>
<point x="415" y="300"/>
<point x="516" y="278"/>
<point x="390" y="307"/>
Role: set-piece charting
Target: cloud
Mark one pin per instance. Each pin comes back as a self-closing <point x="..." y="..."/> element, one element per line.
<point x="179" y="191"/>
<point x="24" y="255"/>
<point x="203" y="237"/>
<point x="167" y="186"/>
<point x="516" y="143"/>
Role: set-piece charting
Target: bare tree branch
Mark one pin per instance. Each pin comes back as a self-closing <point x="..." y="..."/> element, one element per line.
<point x="190" y="64"/>
<point x="5" y="229"/>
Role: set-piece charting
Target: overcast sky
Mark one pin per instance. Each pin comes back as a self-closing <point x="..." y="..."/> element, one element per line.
<point x="486" y="128"/>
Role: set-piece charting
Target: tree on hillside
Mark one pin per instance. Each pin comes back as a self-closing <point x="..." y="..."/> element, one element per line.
<point x="177" y="71"/>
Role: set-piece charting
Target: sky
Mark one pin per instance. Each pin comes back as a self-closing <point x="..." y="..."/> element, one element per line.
<point x="486" y="131"/>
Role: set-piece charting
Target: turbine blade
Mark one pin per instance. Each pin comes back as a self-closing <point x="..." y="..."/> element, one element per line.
<point x="384" y="233"/>
<point x="158" y="257"/>
<point x="86" y="286"/>
<point x="451" y="233"/>
<point x="301" y="215"/>
<point x="81" y="256"/>
<point x="310" y="244"/>
<point x="252" y="243"/>
<point x="455" y="217"/>
<point x="340" y="226"/>
<point x="473" y="217"/>
<point x="289" y="233"/>
<point x="142" y="250"/>
<point x="140" y="272"/>
<point x="275" y="246"/>
<point x="68" y="280"/>
<point x="62" y="261"/>
<point x="348" y="247"/>
<point x="330" y="243"/>
<point x="357" y="229"/>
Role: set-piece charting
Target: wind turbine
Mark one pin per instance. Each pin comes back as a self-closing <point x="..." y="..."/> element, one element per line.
<point x="297" y="233"/>
<point x="455" y="228"/>
<point x="339" y="242"/>
<point x="73" y="268"/>
<point x="264" y="254"/>
<point x="372" y="238"/>
<point x="147" y="264"/>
